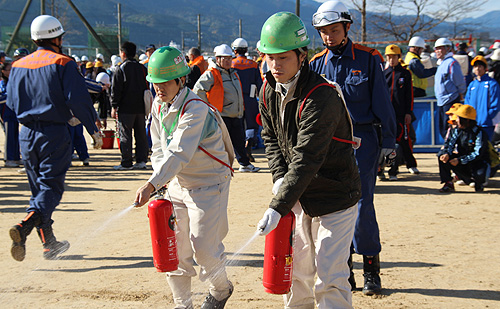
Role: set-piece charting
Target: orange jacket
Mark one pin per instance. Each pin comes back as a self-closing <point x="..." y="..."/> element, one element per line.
<point x="200" y="62"/>
<point x="215" y="95"/>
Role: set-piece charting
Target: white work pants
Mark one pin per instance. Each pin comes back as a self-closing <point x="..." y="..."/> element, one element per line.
<point x="201" y="226"/>
<point x="321" y="246"/>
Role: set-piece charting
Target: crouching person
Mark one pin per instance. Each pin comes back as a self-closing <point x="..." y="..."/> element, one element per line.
<point x="470" y="161"/>
<point x="309" y="144"/>
<point x="192" y="152"/>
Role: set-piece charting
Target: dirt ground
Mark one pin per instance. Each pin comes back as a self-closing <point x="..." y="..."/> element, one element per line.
<point x="439" y="251"/>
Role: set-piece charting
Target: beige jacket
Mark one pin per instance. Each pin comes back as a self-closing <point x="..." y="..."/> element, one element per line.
<point x="177" y="132"/>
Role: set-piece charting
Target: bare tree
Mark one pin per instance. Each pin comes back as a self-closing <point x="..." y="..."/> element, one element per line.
<point x="361" y="6"/>
<point x="404" y="18"/>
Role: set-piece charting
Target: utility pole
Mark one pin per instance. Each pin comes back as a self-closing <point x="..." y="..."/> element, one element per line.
<point x="42" y="7"/>
<point x="297" y="7"/>
<point x="363" y="22"/>
<point x="18" y="26"/>
<point x="119" y="6"/>
<point x="241" y="29"/>
<point x="199" y="32"/>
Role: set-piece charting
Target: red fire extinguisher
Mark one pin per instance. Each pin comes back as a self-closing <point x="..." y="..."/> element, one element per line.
<point x="162" y="225"/>
<point x="278" y="256"/>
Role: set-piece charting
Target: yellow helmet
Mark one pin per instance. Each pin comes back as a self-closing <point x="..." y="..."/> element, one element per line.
<point x="392" y="50"/>
<point x="466" y="111"/>
<point x="453" y="108"/>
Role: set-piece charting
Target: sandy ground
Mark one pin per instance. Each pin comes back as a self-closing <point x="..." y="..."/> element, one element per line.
<point x="439" y="251"/>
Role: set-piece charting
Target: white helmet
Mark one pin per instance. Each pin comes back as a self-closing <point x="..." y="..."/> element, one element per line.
<point x="416" y="41"/>
<point x="77" y="59"/>
<point x="99" y="56"/>
<point x="472" y="54"/>
<point x="240" y="43"/>
<point x="331" y="12"/>
<point x="442" y="42"/>
<point x="223" y="50"/>
<point x="115" y="61"/>
<point x="46" y="27"/>
<point x="496" y="55"/>
<point x="113" y="57"/>
<point x="143" y="57"/>
<point x="103" y="78"/>
<point x="85" y="58"/>
<point x="484" y="50"/>
<point x="258" y="44"/>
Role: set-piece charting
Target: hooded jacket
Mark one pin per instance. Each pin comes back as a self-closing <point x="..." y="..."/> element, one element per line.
<point x="318" y="171"/>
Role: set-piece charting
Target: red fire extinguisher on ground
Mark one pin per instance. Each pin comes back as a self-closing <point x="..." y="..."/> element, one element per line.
<point x="278" y="256"/>
<point x="162" y="225"/>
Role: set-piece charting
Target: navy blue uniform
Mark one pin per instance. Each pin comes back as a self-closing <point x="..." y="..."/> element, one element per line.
<point x="358" y="71"/>
<point x="45" y="89"/>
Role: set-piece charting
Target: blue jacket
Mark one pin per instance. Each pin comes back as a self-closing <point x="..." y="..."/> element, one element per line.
<point x="46" y="87"/>
<point x="449" y="81"/>
<point x="248" y="71"/>
<point x="471" y="145"/>
<point x="358" y="71"/>
<point x="484" y="96"/>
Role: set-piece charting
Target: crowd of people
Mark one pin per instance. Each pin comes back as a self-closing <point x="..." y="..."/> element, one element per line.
<point x="330" y="126"/>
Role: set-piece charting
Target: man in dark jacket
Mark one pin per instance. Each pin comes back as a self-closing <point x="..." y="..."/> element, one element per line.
<point x="309" y="144"/>
<point x="127" y="102"/>
<point x="401" y="91"/>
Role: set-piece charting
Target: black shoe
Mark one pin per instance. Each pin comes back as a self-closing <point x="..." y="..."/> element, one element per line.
<point x="212" y="303"/>
<point x="478" y="187"/>
<point x="51" y="247"/>
<point x="448" y="187"/>
<point x="371" y="268"/>
<point x="19" y="232"/>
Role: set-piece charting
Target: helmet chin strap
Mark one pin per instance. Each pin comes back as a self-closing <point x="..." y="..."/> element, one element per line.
<point x="336" y="47"/>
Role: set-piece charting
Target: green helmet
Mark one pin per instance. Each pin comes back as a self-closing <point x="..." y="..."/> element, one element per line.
<point x="282" y="32"/>
<point x="166" y="63"/>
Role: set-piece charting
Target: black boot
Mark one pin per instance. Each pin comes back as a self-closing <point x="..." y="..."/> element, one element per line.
<point x="352" y="280"/>
<point x="371" y="268"/>
<point x="212" y="303"/>
<point x="19" y="232"/>
<point x="51" y="247"/>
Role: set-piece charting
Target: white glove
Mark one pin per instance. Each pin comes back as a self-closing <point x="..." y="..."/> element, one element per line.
<point x="97" y="137"/>
<point x="277" y="185"/>
<point x="268" y="222"/>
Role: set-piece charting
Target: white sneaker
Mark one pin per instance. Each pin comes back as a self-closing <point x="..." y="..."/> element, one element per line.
<point x="249" y="168"/>
<point x="393" y="177"/>
<point x="139" y="166"/>
<point x="472" y="184"/>
<point x="461" y="183"/>
<point x="413" y="170"/>
<point x="11" y="163"/>
<point x="86" y="162"/>
<point x="21" y="170"/>
<point x="122" y="168"/>
<point x="381" y="176"/>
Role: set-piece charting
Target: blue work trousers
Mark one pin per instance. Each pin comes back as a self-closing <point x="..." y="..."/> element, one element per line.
<point x="366" y="233"/>
<point x="237" y="135"/>
<point x="46" y="150"/>
<point x="11" y="127"/>
<point x="79" y="142"/>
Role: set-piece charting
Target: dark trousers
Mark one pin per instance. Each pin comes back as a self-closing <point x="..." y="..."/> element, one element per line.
<point x="78" y="141"/>
<point x="46" y="150"/>
<point x="127" y="123"/>
<point x="404" y="149"/>
<point x="473" y="171"/>
<point x="443" y="118"/>
<point x="237" y="135"/>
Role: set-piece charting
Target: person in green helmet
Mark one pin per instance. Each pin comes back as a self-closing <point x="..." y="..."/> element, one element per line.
<point x="307" y="132"/>
<point x="193" y="154"/>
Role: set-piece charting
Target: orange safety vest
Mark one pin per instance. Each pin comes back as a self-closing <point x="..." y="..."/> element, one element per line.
<point x="200" y="62"/>
<point x="215" y="95"/>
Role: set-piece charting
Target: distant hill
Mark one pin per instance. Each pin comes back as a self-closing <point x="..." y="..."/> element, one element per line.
<point x="159" y="22"/>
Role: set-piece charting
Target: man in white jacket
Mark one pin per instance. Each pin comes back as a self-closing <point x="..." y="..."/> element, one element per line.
<point x="192" y="152"/>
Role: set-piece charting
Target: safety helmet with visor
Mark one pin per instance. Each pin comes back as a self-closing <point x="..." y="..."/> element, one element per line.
<point x="165" y="64"/>
<point x="223" y="51"/>
<point x="331" y="12"/>
<point x="442" y="42"/>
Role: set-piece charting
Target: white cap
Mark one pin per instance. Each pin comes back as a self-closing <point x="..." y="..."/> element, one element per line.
<point x="331" y="12"/>
<point x="416" y="41"/>
<point x="46" y="27"/>
<point x="223" y="50"/>
<point x="496" y="45"/>
<point x="115" y="61"/>
<point x="103" y="78"/>
<point x="85" y="58"/>
<point x="240" y="43"/>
